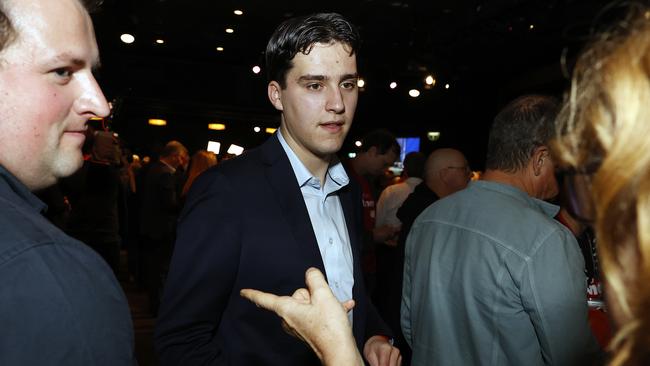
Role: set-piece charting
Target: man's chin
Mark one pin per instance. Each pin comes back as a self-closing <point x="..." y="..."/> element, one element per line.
<point x="68" y="165"/>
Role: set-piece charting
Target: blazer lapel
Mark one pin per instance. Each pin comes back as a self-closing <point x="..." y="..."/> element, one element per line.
<point x="292" y="205"/>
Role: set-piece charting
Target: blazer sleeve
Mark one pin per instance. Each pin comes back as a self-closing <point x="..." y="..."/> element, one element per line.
<point x="202" y="272"/>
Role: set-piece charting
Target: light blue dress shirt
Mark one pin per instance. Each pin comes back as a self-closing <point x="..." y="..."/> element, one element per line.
<point x="327" y="220"/>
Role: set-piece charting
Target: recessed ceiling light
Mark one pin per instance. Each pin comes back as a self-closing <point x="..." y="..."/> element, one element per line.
<point x="216" y="126"/>
<point x="531" y="26"/>
<point x="393" y="85"/>
<point x="256" y="69"/>
<point x="157" y="122"/>
<point x="257" y="129"/>
<point x="220" y="49"/>
<point x="430" y="80"/>
<point x="238" y="12"/>
<point x="127" y="38"/>
<point x="160" y="41"/>
<point x="230" y="30"/>
<point x="361" y="83"/>
<point x="414" y="93"/>
<point x="447" y="86"/>
<point x="357" y="143"/>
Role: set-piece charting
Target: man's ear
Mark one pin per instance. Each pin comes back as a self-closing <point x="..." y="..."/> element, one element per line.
<point x="540" y="157"/>
<point x="275" y="95"/>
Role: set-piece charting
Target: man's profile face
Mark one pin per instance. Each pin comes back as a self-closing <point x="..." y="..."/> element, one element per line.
<point x="48" y="90"/>
<point x="380" y="162"/>
<point x="319" y="100"/>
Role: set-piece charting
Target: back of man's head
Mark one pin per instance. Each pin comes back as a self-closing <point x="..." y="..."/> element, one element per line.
<point x="446" y="171"/>
<point x="520" y="127"/>
<point x="299" y="34"/>
<point x="414" y="164"/>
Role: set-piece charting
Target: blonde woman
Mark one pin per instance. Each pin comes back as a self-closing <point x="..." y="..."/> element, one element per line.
<point x="604" y="143"/>
<point x="201" y="161"/>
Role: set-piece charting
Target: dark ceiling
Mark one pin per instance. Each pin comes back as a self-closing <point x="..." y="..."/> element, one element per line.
<point x="486" y="50"/>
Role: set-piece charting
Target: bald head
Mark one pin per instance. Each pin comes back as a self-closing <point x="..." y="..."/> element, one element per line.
<point x="446" y="171"/>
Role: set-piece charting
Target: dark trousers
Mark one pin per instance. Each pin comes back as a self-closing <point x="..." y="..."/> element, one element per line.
<point x="156" y="257"/>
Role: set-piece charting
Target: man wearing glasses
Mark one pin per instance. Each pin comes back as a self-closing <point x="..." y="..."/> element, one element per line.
<point x="489" y="276"/>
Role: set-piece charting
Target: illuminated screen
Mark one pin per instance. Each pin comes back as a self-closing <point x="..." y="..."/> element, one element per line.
<point x="407" y="145"/>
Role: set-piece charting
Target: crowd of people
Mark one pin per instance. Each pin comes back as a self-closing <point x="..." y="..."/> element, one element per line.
<point x="434" y="270"/>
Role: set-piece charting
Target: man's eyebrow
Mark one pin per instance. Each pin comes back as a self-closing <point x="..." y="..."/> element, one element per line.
<point x="78" y="62"/>
<point x="309" y="77"/>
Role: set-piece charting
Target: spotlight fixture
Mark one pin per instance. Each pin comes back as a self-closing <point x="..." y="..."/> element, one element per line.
<point x="160" y="41"/>
<point x="414" y="93"/>
<point x="238" y="12"/>
<point x="230" y="30"/>
<point x="430" y="80"/>
<point x="257" y="129"/>
<point x="393" y="85"/>
<point x="361" y="83"/>
<point x="256" y="69"/>
<point x="220" y="49"/>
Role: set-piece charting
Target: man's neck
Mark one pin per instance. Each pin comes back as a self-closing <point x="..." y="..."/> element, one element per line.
<point x="317" y="165"/>
<point x="516" y="179"/>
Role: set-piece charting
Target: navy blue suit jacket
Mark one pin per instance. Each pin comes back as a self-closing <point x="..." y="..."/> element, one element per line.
<point x="245" y="225"/>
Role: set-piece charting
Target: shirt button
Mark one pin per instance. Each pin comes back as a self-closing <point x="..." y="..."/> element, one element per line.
<point x="336" y="284"/>
<point x="331" y="241"/>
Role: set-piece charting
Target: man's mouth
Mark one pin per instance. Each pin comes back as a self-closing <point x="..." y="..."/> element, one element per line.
<point x="334" y="126"/>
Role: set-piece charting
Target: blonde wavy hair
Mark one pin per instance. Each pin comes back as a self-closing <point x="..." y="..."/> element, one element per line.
<point x="201" y="161"/>
<point x="606" y="119"/>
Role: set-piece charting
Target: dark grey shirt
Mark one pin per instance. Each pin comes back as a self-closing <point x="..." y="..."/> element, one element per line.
<point x="60" y="304"/>
<point x="490" y="278"/>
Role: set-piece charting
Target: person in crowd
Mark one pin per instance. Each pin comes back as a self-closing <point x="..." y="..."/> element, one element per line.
<point x="445" y="171"/>
<point x="259" y="220"/>
<point x="60" y="304"/>
<point x="201" y="161"/>
<point x="489" y="275"/>
<point x="379" y="150"/>
<point x="391" y="199"/>
<point x="602" y="147"/>
<point x="94" y="193"/>
<point x="159" y="212"/>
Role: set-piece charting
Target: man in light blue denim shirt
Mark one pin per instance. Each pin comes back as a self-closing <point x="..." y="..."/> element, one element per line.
<point x="490" y="278"/>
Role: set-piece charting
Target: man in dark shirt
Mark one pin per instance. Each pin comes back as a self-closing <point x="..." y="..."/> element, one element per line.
<point x="445" y="172"/>
<point x="60" y="304"/>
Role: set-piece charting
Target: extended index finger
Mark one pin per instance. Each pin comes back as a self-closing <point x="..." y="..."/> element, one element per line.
<point x="261" y="299"/>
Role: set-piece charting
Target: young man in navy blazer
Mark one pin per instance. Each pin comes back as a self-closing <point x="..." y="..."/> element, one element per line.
<point x="259" y="221"/>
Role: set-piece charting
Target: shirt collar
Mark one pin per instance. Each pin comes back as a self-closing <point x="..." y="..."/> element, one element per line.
<point x="335" y="171"/>
<point x="548" y="208"/>
<point x="21" y="190"/>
